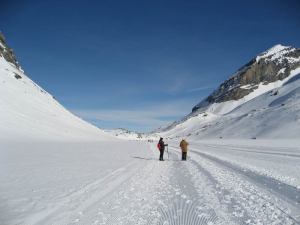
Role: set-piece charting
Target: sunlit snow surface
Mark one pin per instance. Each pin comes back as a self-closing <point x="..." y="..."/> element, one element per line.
<point x="57" y="169"/>
<point x="119" y="182"/>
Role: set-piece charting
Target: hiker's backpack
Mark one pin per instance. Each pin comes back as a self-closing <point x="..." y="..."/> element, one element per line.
<point x="158" y="145"/>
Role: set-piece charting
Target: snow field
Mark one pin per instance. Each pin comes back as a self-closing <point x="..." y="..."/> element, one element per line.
<point x="159" y="193"/>
<point x="40" y="179"/>
<point x="123" y="182"/>
<point x="252" y="201"/>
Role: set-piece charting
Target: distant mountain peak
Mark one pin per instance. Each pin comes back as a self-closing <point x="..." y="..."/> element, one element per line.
<point x="277" y="48"/>
<point x="278" y="52"/>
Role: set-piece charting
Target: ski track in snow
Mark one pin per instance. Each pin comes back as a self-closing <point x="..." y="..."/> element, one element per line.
<point x="203" y="190"/>
<point x="246" y="200"/>
<point x="159" y="193"/>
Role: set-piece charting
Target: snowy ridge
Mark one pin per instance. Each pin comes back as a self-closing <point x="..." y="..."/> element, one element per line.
<point x="277" y="53"/>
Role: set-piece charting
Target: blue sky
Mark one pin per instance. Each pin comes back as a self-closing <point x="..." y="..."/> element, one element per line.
<point x="140" y="65"/>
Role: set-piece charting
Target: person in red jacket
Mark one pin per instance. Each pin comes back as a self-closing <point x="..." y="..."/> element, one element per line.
<point x="162" y="149"/>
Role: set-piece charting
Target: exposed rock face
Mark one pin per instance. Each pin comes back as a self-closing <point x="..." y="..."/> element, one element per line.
<point x="270" y="66"/>
<point x="7" y="52"/>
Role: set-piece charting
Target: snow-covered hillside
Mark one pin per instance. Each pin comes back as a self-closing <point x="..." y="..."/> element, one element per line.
<point x="131" y="135"/>
<point x="270" y="111"/>
<point x="29" y="112"/>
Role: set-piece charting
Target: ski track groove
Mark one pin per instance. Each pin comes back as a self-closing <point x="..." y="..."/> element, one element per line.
<point x="158" y="193"/>
<point x="240" y="149"/>
<point x="281" y="190"/>
<point x="209" y="195"/>
<point x="254" y="199"/>
<point x="138" y="207"/>
<point x="277" y="161"/>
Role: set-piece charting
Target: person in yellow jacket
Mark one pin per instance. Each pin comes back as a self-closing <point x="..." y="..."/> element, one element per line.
<point x="184" y="149"/>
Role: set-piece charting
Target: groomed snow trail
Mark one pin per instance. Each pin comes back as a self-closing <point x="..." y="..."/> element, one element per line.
<point x="251" y="195"/>
<point x="157" y="193"/>
<point x="207" y="189"/>
<point x="202" y="190"/>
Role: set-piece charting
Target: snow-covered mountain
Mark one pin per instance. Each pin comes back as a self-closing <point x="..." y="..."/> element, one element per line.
<point x="261" y="100"/>
<point x="29" y="112"/>
<point x="126" y="134"/>
<point x="268" y="67"/>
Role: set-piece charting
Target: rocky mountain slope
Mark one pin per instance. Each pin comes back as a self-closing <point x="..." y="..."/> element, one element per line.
<point x="260" y="100"/>
<point x="268" y="67"/>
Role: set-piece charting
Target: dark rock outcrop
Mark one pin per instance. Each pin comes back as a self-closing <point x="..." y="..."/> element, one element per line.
<point x="7" y="53"/>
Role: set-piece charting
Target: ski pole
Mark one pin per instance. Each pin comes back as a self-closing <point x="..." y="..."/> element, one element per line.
<point x="168" y="151"/>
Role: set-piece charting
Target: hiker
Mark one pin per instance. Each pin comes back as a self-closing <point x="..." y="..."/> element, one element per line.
<point x="183" y="145"/>
<point x="161" y="145"/>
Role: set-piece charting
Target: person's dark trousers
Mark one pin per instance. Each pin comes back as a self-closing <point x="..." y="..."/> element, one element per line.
<point x="184" y="156"/>
<point x="161" y="156"/>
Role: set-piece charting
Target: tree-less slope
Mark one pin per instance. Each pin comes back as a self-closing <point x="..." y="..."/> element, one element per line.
<point x="28" y="111"/>
<point x="267" y="106"/>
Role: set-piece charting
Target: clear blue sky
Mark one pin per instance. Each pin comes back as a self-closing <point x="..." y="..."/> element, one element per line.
<point x="140" y="65"/>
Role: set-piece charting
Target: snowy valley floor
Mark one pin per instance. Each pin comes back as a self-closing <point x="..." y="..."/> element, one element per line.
<point x="222" y="182"/>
